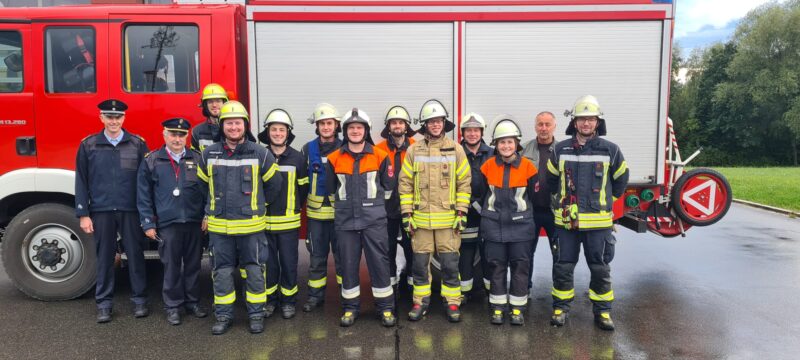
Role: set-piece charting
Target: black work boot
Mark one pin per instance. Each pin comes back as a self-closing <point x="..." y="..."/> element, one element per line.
<point x="516" y="317"/>
<point x="604" y="322"/>
<point x="388" y="319"/>
<point x="288" y="311"/>
<point x="173" y="317"/>
<point x="256" y="325"/>
<point x="269" y="309"/>
<point x="221" y="326"/>
<point x="417" y="312"/>
<point x="103" y="315"/>
<point x="140" y="311"/>
<point x="498" y="317"/>
<point x="453" y="313"/>
<point x="312" y="303"/>
<point x="348" y="319"/>
<point x="559" y="317"/>
<point x="197" y="311"/>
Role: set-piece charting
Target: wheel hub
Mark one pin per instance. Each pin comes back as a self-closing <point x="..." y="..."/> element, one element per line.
<point x="49" y="254"/>
<point x="54" y="253"/>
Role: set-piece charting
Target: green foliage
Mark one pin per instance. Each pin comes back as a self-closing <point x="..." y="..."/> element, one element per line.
<point x="774" y="186"/>
<point x="742" y="102"/>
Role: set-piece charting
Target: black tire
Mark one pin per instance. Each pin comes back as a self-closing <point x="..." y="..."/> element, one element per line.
<point x="54" y="221"/>
<point x="682" y="213"/>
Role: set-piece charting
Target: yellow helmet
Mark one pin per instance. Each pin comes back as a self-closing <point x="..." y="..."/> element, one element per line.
<point x="586" y="105"/>
<point x="233" y="110"/>
<point x="214" y="91"/>
<point x="324" y="111"/>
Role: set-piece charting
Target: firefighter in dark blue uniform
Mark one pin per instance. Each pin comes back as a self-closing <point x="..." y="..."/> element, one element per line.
<point x="283" y="216"/>
<point x="587" y="173"/>
<point x="170" y="199"/>
<point x="241" y="183"/>
<point x="472" y="127"/>
<point x="206" y="133"/>
<point x="105" y="202"/>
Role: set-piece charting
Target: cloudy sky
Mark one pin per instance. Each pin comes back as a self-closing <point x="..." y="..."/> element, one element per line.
<point x="699" y="23"/>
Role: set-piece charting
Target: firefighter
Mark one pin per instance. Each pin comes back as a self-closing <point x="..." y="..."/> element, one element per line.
<point x="538" y="150"/>
<point x="587" y="173"/>
<point x="203" y="135"/>
<point x="170" y="200"/>
<point x="434" y="199"/>
<point x="472" y="127"/>
<point x="321" y="235"/>
<point x="507" y="223"/>
<point x="358" y="177"/>
<point x="241" y="181"/>
<point x="105" y="202"/>
<point x="283" y="216"/>
<point x="398" y="134"/>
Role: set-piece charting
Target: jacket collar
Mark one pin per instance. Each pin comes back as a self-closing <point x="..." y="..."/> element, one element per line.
<point x="515" y="164"/>
<point x="367" y="149"/>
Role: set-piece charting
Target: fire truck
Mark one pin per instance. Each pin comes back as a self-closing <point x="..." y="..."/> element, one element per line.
<point x="516" y="57"/>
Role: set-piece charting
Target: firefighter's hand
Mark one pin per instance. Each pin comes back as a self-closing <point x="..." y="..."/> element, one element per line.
<point x="408" y="224"/>
<point x="460" y="223"/>
<point x="151" y="233"/>
<point x="204" y="225"/>
<point x="86" y="224"/>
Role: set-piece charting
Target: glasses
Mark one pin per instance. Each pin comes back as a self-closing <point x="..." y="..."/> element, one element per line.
<point x="586" y="119"/>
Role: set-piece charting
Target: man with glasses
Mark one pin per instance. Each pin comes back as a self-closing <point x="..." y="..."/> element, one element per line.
<point x="105" y="202"/>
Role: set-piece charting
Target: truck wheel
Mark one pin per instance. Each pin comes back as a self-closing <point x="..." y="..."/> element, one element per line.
<point x="701" y="197"/>
<point x="47" y="255"/>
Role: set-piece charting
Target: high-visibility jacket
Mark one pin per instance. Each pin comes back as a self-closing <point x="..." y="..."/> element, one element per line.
<point x="435" y="182"/>
<point x="507" y="211"/>
<point x="204" y="135"/>
<point x="240" y="185"/>
<point x="319" y="206"/>
<point x="586" y="179"/>
<point x="359" y="184"/>
<point x="478" y="186"/>
<point x="284" y="213"/>
<point x="396" y="156"/>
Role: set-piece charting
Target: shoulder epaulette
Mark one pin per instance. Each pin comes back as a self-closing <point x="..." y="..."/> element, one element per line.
<point x="148" y="154"/>
<point x="87" y="137"/>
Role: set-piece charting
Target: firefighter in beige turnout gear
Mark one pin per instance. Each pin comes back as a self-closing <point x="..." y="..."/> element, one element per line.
<point x="434" y="199"/>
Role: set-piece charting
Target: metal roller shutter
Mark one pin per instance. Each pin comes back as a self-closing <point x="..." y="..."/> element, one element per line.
<point x="369" y="65"/>
<point x="524" y="68"/>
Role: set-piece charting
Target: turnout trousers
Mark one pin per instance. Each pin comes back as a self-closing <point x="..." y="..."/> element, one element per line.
<point x="252" y="252"/>
<point x="107" y="224"/>
<point x="374" y="244"/>
<point x="321" y="240"/>
<point x="502" y="256"/>
<point x="598" y="247"/>
<point x="282" y="266"/>
<point x="393" y="227"/>
<point x="181" y="252"/>
<point x="446" y="243"/>
<point x="466" y="263"/>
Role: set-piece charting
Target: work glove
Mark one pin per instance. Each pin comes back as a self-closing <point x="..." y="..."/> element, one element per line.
<point x="408" y="224"/>
<point x="460" y="223"/>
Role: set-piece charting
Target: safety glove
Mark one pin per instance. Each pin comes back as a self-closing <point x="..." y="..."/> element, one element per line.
<point x="460" y="223"/>
<point x="408" y="224"/>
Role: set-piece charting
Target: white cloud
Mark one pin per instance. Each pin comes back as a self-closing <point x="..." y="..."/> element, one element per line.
<point x="693" y="15"/>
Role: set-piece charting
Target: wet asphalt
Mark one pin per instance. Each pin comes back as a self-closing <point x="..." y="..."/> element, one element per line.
<point x="728" y="291"/>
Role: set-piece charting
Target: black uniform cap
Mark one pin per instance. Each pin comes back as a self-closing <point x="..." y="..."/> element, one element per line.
<point x="112" y="107"/>
<point x="177" y="124"/>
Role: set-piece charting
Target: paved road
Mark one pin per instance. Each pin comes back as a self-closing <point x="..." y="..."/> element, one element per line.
<point x="730" y="291"/>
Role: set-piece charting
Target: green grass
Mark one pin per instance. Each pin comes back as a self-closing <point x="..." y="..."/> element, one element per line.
<point x="774" y="186"/>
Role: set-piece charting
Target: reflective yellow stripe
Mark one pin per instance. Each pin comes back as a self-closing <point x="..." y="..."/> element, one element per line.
<point x="278" y="223"/>
<point x="254" y="192"/>
<point x="291" y="188"/>
<point x="603" y="201"/>
<point x="609" y="296"/>
<point x="463" y="169"/>
<point x="563" y="295"/>
<point x="211" y="198"/>
<point x="338" y="279"/>
<point x="422" y="290"/>
<point x="234" y="227"/>
<point x="202" y="175"/>
<point x="462" y="198"/>
<point x="270" y="172"/>
<point x="416" y="185"/>
<point x="302" y="181"/>
<point x="450" y="291"/>
<point x="256" y="298"/>
<point x="272" y="290"/>
<point x="406" y="199"/>
<point x="243" y="273"/>
<point x="318" y="283"/>
<point x="551" y="168"/>
<point x="563" y="181"/>
<point x="623" y="167"/>
<point x="225" y="299"/>
<point x="407" y="169"/>
<point x="453" y="184"/>
<point x="289" y="292"/>
<point x="324" y="213"/>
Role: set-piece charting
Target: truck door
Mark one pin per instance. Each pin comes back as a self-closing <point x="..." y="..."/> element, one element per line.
<point x="17" y="148"/>
<point x="165" y="60"/>
<point x="71" y="77"/>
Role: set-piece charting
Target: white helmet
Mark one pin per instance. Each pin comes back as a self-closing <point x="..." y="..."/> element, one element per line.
<point x="473" y="120"/>
<point x="505" y="126"/>
<point x="586" y="105"/>
<point x="432" y="109"/>
<point x="324" y="111"/>
<point x="277" y="116"/>
<point x="397" y="112"/>
<point x="357" y="116"/>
